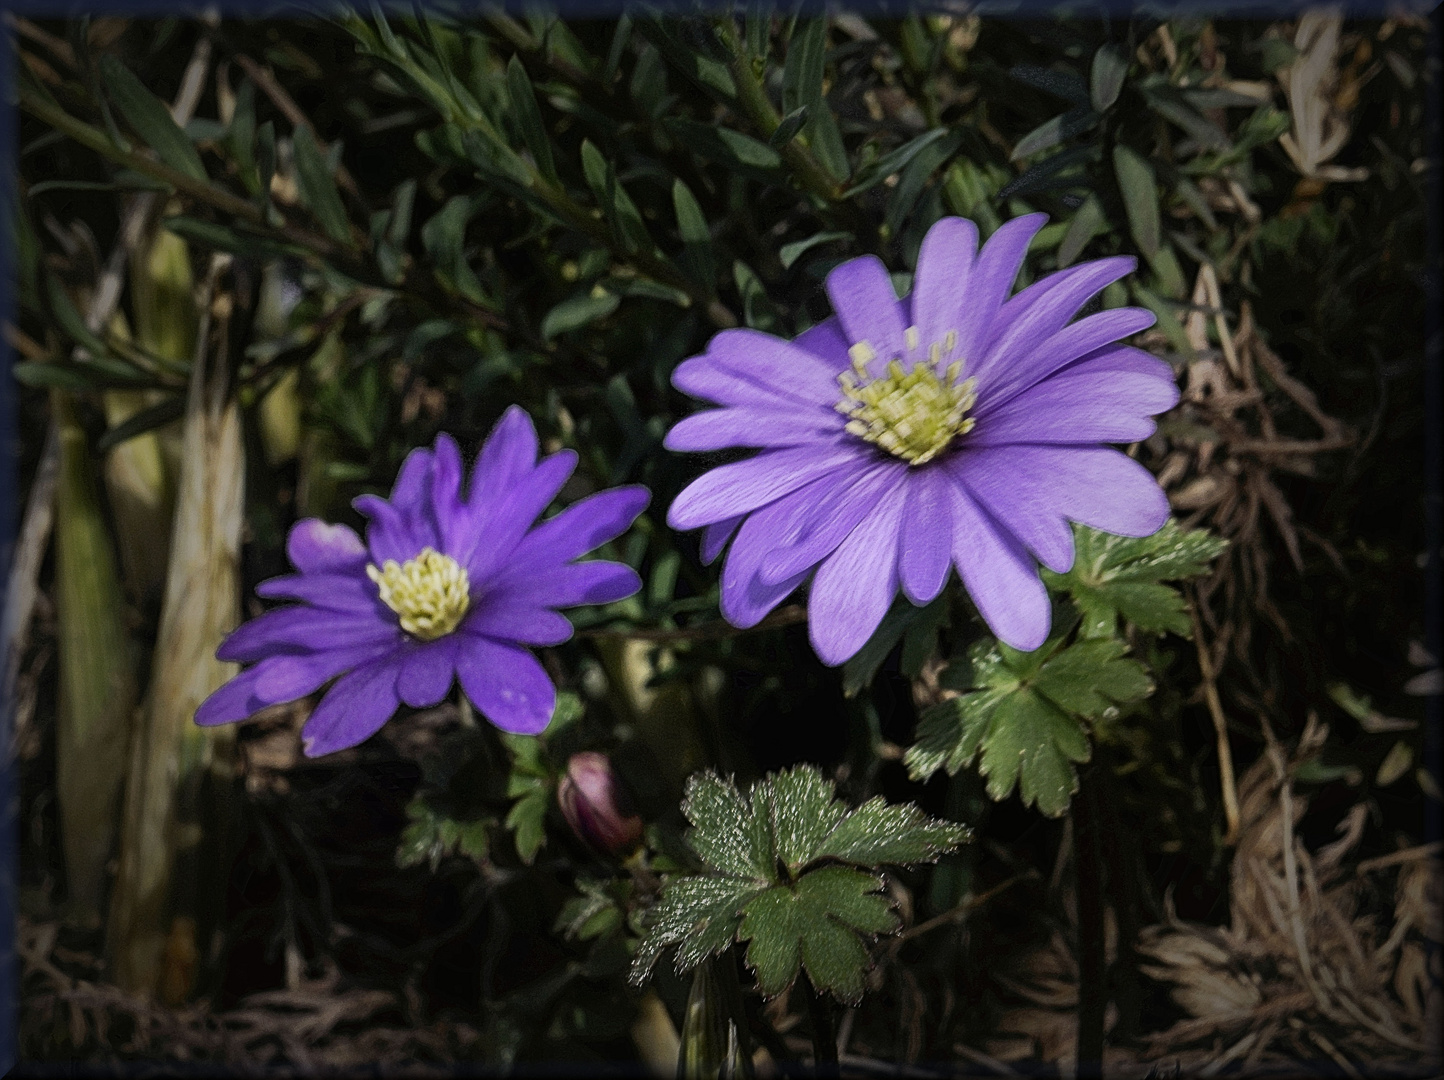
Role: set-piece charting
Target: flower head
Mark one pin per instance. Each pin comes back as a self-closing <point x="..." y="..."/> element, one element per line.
<point x="961" y="426"/>
<point x="444" y="586"/>
<point x="593" y="802"/>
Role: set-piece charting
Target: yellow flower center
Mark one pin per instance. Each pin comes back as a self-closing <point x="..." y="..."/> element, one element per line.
<point x="915" y="414"/>
<point x="430" y="593"/>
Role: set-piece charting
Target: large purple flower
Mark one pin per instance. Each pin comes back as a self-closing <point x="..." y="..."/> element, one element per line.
<point x="960" y="426"/>
<point x="442" y="587"/>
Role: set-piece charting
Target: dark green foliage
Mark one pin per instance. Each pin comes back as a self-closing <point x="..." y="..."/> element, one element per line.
<point x="771" y="879"/>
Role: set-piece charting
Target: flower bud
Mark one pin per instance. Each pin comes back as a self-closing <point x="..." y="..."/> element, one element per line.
<point x="591" y="799"/>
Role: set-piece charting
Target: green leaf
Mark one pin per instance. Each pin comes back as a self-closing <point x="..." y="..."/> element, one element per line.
<point x="802" y="79"/>
<point x="1089" y="221"/>
<point x="726" y="832"/>
<point x="578" y="311"/>
<point x="150" y="118"/>
<point x="859" y="670"/>
<point x="696" y="236"/>
<point x="775" y="855"/>
<point x="622" y="214"/>
<point x="528" y="116"/>
<point x="43" y="374"/>
<point x="317" y="188"/>
<point x="147" y="419"/>
<point x="816" y="925"/>
<point x="1032" y="743"/>
<point x="1063" y="84"/>
<point x="225" y="238"/>
<point x="1051" y="132"/>
<point x="757" y="308"/>
<point x="527" y="818"/>
<point x="1092" y="678"/>
<point x="1171" y="106"/>
<point x="787" y="128"/>
<point x="1110" y="68"/>
<point x="1140" y="198"/>
<point x="1119" y="576"/>
<point x="430" y="836"/>
<point x="790" y="253"/>
<point x="891" y="162"/>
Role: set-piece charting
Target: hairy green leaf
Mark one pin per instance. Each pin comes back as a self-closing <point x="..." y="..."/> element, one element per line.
<point x="1120" y="576"/>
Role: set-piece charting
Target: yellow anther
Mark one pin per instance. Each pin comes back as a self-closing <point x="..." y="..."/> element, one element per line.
<point x="910" y="336"/>
<point x="862" y="354"/>
<point x="915" y="414"/>
<point x="429" y="593"/>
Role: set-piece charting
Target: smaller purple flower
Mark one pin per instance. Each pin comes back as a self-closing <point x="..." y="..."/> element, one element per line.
<point x="960" y="427"/>
<point x="593" y="802"/>
<point x="444" y="587"/>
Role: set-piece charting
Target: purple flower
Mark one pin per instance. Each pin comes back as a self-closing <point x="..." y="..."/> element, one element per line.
<point x="592" y="801"/>
<point x="442" y="587"/>
<point x="960" y="426"/>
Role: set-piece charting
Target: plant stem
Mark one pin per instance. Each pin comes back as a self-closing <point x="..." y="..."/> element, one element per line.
<point x="824" y="1032"/>
<point x="1092" y="959"/>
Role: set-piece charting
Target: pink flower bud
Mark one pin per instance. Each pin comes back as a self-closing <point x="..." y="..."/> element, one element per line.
<point x="591" y="800"/>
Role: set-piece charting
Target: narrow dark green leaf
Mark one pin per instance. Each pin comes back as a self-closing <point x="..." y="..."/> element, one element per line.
<point x="790" y="253"/>
<point x="1064" y="84"/>
<point x="1041" y="175"/>
<point x="317" y="187"/>
<point x="225" y="238"/>
<point x="1052" y="132"/>
<point x="696" y="237"/>
<point x="43" y="375"/>
<point x="528" y="115"/>
<point x="1110" y="68"/>
<point x="1204" y="131"/>
<point x="1140" y="198"/>
<point x="148" y="419"/>
<point x="758" y="311"/>
<point x="578" y="311"/>
<point x="150" y="118"/>
<point x="892" y="162"/>
<point x="788" y="127"/>
<point x="1088" y="222"/>
<point x="265" y="160"/>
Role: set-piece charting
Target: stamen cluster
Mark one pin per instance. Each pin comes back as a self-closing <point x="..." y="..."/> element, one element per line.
<point x="914" y="415"/>
<point x="430" y="593"/>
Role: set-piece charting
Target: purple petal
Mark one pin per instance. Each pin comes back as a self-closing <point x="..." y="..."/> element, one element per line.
<point x="745" y="597"/>
<point x="1120" y="358"/>
<point x="925" y="551"/>
<point x="305" y="629"/>
<point x="855" y="585"/>
<point x="337" y="592"/>
<point x="411" y="492"/>
<point x="715" y="537"/>
<point x="447" y="509"/>
<point x="998" y="574"/>
<point x="1044" y="308"/>
<point x="507" y="684"/>
<point x="353" y="710"/>
<point x="1082" y="405"/>
<point x="393" y="533"/>
<point x="771" y="361"/>
<point x="597" y="582"/>
<point x="730" y="490"/>
<point x="827" y="340"/>
<point x="583" y="526"/>
<point x="1013" y="486"/>
<point x="832" y="509"/>
<point x="528" y="625"/>
<point x="1062" y="349"/>
<point x="1095" y="486"/>
<point x="233" y="701"/>
<point x="500" y="527"/>
<point x="286" y="678"/>
<point x="506" y="457"/>
<point x="991" y="281"/>
<point x="700" y="377"/>
<point x="316" y="547"/>
<point x="426" y="670"/>
<point x="941" y="286"/>
<point x="867" y="306"/>
<point x="718" y="429"/>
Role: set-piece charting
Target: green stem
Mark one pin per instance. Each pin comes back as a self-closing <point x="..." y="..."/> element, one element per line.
<point x="824" y="1032"/>
<point x="97" y="140"/>
<point x="753" y="100"/>
<point x="1092" y="959"/>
